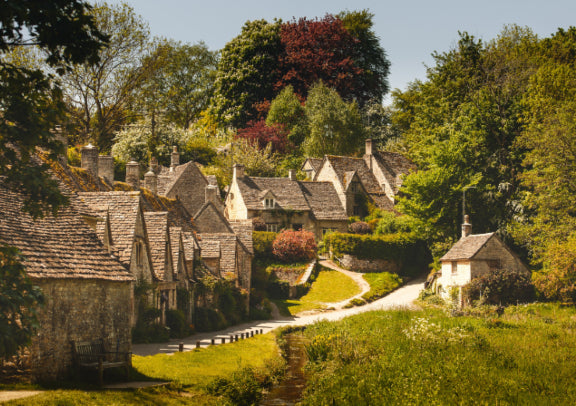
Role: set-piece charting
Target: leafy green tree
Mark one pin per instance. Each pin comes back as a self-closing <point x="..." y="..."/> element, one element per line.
<point x="19" y="300"/>
<point x="246" y="73"/>
<point x="99" y="92"/>
<point x="460" y="127"/>
<point x="286" y="109"/>
<point x="371" y="57"/>
<point x="31" y="105"/>
<point x="335" y="127"/>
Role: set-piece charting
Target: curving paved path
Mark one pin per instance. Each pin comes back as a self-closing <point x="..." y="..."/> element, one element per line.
<point x="400" y="298"/>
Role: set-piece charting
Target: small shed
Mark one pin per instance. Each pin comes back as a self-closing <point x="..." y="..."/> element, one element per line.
<point x="475" y="255"/>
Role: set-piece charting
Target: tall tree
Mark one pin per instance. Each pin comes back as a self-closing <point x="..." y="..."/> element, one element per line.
<point x="30" y="108"/>
<point x="371" y="57"/>
<point x="99" y="92"/>
<point x="320" y="50"/>
<point x="469" y="107"/>
<point x="287" y="110"/>
<point x="335" y="126"/>
<point x="246" y="73"/>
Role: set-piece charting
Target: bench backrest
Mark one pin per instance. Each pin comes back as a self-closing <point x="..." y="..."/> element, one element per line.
<point x="89" y="351"/>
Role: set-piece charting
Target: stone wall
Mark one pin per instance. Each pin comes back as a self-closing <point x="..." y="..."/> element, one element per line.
<point x="369" y="265"/>
<point x="79" y="310"/>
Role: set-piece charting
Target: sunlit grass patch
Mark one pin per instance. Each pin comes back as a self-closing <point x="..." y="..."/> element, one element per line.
<point x="329" y="287"/>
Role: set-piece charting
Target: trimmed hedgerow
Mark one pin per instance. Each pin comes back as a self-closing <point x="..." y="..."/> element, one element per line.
<point x="294" y="246"/>
<point x="404" y="248"/>
<point x="500" y="287"/>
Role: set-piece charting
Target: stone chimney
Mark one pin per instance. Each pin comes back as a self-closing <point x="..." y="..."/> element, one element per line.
<point x="292" y="174"/>
<point x="174" y="158"/>
<point x="106" y="168"/>
<point x="237" y="171"/>
<point x="154" y="165"/>
<point x="368" y="146"/>
<point x="151" y="181"/>
<point x="89" y="159"/>
<point x="133" y="174"/>
<point x="466" y="227"/>
<point x="63" y="139"/>
<point x="211" y="194"/>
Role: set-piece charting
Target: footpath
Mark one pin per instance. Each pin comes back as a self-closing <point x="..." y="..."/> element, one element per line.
<point x="400" y="298"/>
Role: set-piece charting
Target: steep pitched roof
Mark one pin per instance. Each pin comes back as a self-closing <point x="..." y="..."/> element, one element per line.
<point x="287" y="192"/>
<point x="185" y="181"/>
<point x="467" y="248"/>
<point x="122" y="209"/>
<point x="323" y="200"/>
<point x="393" y="162"/>
<point x="344" y="166"/>
<point x="227" y="244"/>
<point x="175" y="239"/>
<point x="60" y="247"/>
<point x="211" y="220"/>
<point x="314" y="163"/>
<point x="178" y="216"/>
<point x="159" y="238"/>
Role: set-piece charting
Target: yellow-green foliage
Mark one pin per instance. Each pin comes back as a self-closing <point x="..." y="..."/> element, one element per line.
<point x="526" y="356"/>
<point x="329" y="287"/>
<point x="380" y="285"/>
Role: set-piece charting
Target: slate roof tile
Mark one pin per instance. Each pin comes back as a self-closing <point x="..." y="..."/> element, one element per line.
<point x="467" y="248"/>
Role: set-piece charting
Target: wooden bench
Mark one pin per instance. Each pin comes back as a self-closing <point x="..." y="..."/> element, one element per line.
<point x="93" y="355"/>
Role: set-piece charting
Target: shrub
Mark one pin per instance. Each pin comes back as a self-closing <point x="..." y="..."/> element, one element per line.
<point x="557" y="281"/>
<point x="500" y="287"/>
<point x="294" y="246"/>
<point x="360" y="227"/>
<point x="380" y="285"/>
<point x="404" y="248"/>
<point x="176" y="321"/>
<point x="209" y="320"/>
<point x="263" y="241"/>
<point x="262" y="135"/>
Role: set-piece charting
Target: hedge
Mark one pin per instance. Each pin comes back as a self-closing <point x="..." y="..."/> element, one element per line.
<point x="404" y="248"/>
<point x="263" y="241"/>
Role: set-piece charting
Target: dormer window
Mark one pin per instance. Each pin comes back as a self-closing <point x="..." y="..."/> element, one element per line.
<point x="269" y="203"/>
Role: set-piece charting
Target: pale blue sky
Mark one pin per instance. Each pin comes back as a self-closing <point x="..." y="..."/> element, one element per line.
<point x="409" y="30"/>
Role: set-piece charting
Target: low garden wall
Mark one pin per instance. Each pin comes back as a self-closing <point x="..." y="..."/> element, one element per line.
<point x="353" y="263"/>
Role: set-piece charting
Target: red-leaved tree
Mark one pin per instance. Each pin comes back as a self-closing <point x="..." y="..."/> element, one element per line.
<point x="320" y="50"/>
<point x="260" y="133"/>
<point x="294" y="246"/>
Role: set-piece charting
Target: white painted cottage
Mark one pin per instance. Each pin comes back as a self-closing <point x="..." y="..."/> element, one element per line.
<point x="475" y="255"/>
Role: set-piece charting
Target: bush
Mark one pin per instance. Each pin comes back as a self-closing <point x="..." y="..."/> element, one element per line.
<point x="557" y="281"/>
<point x="278" y="289"/>
<point x="380" y="285"/>
<point x="294" y="246"/>
<point x="360" y="227"/>
<point x="263" y="241"/>
<point x="258" y="224"/>
<point x="404" y="248"/>
<point x="209" y="320"/>
<point x="176" y="321"/>
<point x="501" y="287"/>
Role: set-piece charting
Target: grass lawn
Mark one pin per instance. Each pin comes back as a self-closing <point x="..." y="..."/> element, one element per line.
<point x="381" y="284"/>
<point x="329" y="287"/>
<point x="189" y="373"/>
<point x="428" y="357"/>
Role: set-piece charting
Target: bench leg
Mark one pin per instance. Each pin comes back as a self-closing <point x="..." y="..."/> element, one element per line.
<point x="100" y="373"/>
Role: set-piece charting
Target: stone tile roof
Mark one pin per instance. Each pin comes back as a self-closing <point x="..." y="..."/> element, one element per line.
<point x="186" y="181"/>
<point x="227" y="243"/>
<point x="122" y="209"/>
<point x="287" y="192"/>
<point x="315" y="163"/>
<point x="158" y="237"/>
<point x="323" y="200"/>
<point x="190" y="245"/>
<point x="393" y="162"/>
<point x="178" y="216"/>
<point x="175" y="237"/>
<point x="60" y="247"/>
<point x="467" y="248"/>
<point x="209" y="219"/>
<point x="344" y="166"/>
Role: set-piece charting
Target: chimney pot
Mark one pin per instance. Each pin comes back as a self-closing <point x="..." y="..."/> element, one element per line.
<point x="369" y="146"/>
<point x="175" y="157"/>
<point x="238" y="171"/>
<point x="133" y="174"/>
<point x="106" y="168"/>
<point x="292" y="174"/>
<point x="466" y="227"/>
<point x="151" y="181"/>
<point x="211" y="194"/>
<point x="89" y="159"/>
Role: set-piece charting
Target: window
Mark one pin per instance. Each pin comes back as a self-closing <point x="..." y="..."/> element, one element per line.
<point x="272" y="228"/>
<point x="269" y="203"/>
<point x="454" y="268"/>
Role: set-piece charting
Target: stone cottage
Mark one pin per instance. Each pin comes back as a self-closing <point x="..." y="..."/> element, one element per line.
<point x="374" y="178"/>
<point x="475" y="255"/>
<point x="88" y="293"/>
<point x="285" y="203"/>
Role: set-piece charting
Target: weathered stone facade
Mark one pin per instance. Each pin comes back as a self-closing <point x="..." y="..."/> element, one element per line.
<point x="79" y="310"/>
